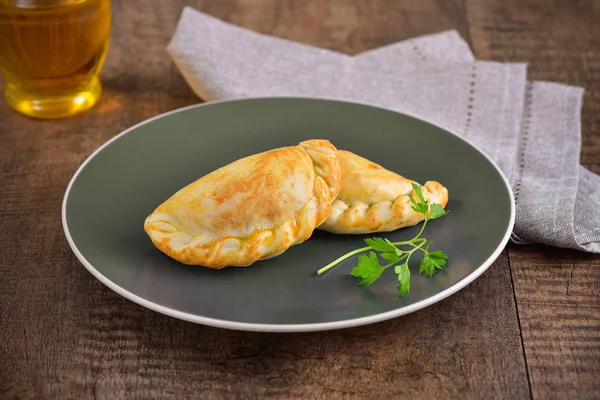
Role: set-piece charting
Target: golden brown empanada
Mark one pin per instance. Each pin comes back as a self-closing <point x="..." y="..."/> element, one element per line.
<point x="254" y="208"/>
<point x="374" y="199"/>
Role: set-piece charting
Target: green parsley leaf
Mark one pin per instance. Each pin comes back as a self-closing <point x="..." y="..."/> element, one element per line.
<point x="417" y="188"/>
<point x="388" y="251"/>
<point x="436" y="211"/>
<point x="433" y="261"/>
<point x="391" y="257"/>
<point x="368" y="269"/>
<point x="439" y="256"/>
<point x="403" y="274"/>
<point x="422" y="206"/>
<point x="380" y="244"/>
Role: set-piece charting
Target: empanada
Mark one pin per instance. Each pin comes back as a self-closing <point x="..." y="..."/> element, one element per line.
<point x="252" y="209"/>
<point x="374" y="199"/>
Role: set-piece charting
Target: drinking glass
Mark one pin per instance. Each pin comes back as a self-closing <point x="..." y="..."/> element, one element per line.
<point x="51" y="52"/>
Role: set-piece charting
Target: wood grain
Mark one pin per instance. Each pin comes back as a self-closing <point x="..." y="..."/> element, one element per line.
<point x="64" y="335"/>
<point x="558" y="297"/>
<point x="557" y="291"/>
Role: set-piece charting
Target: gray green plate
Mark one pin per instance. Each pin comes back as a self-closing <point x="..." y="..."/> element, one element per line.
<point x="120" y="184"/>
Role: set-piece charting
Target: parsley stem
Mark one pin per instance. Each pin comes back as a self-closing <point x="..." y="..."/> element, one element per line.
<point x="342" y="258"/>
<point x="415" y="248"/>
<point x="419" y="247"/>
<point x="422" y="228"/>
<point x="409" y="242"/>
<point x="389" y="265"/>
<point x="403" y="256"/>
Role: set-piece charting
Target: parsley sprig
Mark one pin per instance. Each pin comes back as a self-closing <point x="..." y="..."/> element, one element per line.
<point x="397" y="254"/>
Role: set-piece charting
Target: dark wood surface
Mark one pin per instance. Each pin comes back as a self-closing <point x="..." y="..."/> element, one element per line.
<point x="529" y="327"/>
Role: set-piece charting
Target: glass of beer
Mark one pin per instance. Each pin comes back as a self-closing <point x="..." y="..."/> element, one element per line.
<point x="51" y="52"/>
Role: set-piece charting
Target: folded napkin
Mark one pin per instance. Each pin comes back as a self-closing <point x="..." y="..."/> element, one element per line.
<point x="531" y="129"/>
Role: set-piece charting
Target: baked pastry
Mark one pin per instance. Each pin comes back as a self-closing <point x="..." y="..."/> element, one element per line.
<point x="374" y="199"/>
<point x="252" y="209"/>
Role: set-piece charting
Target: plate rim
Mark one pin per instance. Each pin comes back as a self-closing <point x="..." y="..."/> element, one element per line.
<point x="310" y="327"/>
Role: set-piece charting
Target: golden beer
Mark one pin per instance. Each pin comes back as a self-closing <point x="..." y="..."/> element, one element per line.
<point x="51" y="52"/>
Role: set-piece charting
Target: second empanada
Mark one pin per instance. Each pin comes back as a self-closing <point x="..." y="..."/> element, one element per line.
<point x="374" y="199"/>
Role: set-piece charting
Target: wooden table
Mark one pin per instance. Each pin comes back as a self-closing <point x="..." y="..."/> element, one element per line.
<point x="528" y="327"/>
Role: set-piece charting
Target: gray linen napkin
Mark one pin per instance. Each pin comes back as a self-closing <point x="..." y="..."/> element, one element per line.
<point x="531" y="130"/>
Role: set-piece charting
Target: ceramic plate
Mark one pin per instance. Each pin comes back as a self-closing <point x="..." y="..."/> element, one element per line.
<point x="121" y="183"/>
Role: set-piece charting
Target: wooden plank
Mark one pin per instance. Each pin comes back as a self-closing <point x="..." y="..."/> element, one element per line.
<point x="557" y="291"/>
<point x="558" y="297"/>
<point x="349" y="26"/>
